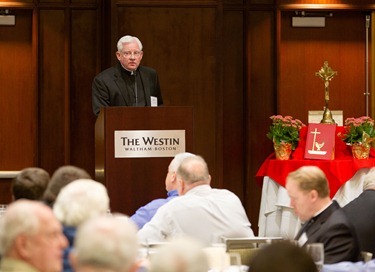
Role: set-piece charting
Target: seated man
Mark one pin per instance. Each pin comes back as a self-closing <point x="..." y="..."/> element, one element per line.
<point x="106" y="243"/>
<point x="282" y="257"/>
<point x="80" y="200"/>
<point x="324" y="220"/>
<point x="145" y="213"/>
<point x="181" y="254"/>
<point x="361" y="213"/>
<point x="200" y="212"/>
<point x="60" y="178"/>
<point x="31" y="238"/>
<point x="30" y="183"/>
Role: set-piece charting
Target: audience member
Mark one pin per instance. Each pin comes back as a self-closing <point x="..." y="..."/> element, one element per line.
<point x="106" y="243"/>
<point x="77" y="202"/>
<point x="361" y="212"/>
<point x="324" y="220"/>
<point x="31" y="238"/>
<point x="145" y="213"/>
<point x="127" y="83"/>
<point x="201" y="212"/>
<point x="30" y="183"/>
<point x="181" y="254"/>
<point x="61" y="177"/>
<point x="282" y="257"/>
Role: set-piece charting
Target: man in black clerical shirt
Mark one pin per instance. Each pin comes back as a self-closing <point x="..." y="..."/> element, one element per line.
<point x="324" y="220"/>
<point x="126" y="83"/>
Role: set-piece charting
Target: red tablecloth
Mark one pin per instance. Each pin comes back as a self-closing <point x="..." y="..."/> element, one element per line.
<point x="338" y="171"/>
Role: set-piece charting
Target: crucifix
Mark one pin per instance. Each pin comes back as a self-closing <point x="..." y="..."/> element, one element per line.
<point x="326" y="74"/>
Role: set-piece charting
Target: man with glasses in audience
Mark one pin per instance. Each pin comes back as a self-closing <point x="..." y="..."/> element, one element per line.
<point x="126" y="83"/>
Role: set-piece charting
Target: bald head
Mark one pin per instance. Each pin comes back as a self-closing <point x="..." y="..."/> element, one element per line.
<point x="192" y="172"/>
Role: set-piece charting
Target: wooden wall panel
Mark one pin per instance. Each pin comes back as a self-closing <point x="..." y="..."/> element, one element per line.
<point x="303" y="52"/>
<point x="18" y="116"/>
<point x="53" y="129"/>
<point x="180" y="44"/>
<point x="260" y="101"/>
<point x="233" y="102"/>
<point x="326" y="2"/>
<point x="84" y="60"/>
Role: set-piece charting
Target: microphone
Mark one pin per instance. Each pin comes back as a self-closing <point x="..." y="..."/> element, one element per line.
<point x="134" y="73"/>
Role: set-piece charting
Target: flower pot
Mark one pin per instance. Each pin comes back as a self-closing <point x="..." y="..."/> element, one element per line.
<point x="282" y="150"/>
<point x="360" y="151"/>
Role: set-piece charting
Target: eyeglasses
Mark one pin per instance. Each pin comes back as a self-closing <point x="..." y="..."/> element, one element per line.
<point x="129" y="53"/>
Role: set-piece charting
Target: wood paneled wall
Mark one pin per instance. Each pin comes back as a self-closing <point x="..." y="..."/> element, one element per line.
<point x="235" y="61"/>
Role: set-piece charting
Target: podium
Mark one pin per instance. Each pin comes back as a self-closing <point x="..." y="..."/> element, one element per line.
<point x="134" y="180"/>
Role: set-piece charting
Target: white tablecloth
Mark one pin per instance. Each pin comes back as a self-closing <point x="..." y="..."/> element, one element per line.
<point x="277" y="218"/>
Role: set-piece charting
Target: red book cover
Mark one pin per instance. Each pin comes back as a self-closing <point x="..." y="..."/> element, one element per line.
<point x="320" y="142"/>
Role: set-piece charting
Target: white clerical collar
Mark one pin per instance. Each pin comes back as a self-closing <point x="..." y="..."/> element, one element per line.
<point x="127" y="69"/>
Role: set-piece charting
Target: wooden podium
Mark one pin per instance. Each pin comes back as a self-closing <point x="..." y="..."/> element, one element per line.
<point x="135" y="181"/>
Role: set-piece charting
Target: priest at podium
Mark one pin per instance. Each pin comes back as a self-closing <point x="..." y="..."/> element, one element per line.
<point x="126" y="83"/>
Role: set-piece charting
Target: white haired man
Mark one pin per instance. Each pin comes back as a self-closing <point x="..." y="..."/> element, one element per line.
<point x="145" y="213"/>
<point x="31" y="238"/>
<point x="127" y="83"/>
<point x="77" y="202"/>
<point x="106" y="243"/>
<point x="200" y="212"/>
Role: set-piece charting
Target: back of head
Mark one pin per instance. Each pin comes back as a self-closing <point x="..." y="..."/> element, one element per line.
<point x="20" y="218"/>
<point x="369" y="180"/>
<point x="106" y="242"/>
<point x="177" y="160"/>
<point x="193" y="169"/>
<point x="81" y="200"/>
<point x="180" y="255"/>
<point x="310" y="178"/>
<point x="282" y="257"/>
<point x="30" y="183"/>
<point x="60" y="178"/>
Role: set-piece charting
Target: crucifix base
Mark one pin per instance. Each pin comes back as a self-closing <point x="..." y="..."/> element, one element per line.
<point x="327" y="117"/>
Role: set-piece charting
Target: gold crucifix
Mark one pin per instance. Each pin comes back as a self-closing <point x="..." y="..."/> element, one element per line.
<point x="326" y="74"/>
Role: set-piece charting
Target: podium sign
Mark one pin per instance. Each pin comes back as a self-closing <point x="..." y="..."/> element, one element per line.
<point x="133" y="148"/>
<point x="149" y="143"/>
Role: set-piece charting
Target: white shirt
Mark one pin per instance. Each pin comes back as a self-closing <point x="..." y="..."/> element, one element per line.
<point x="203" y="213"/>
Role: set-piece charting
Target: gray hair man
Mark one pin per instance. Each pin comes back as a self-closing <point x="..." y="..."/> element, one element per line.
<point x="31" y="238"/>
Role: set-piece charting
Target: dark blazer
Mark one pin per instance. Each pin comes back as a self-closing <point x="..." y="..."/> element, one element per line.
<point x="108" y="88"/>
<point x="333" y="229"/>
<point x="361" y="213"/>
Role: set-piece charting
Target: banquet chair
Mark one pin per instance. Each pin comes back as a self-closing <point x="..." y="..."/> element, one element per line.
<point x="248" y="247"/>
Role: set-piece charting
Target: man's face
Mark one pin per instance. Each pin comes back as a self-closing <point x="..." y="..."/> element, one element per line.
<point x="47" y="245"/>
<point x="130" y="56"/>
<point x="301" y="201"/>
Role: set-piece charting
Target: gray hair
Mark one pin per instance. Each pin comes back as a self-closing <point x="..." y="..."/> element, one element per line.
<point x="81" y="200"/>
<point x="19" y="218"/>
<point x="128" y="39"/>
<point x="109" y="242"/>
<point x="177" y="160"/>
<point x="181" y="254"/>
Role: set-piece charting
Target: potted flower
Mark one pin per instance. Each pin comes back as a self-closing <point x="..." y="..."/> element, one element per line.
<point x="284" y="132"/>
<point x="359" y="134"/>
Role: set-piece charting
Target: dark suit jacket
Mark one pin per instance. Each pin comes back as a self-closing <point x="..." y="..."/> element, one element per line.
<point x="108" y="88"/>
<point x="361" y="213"/>
<point x="333" y="229"/>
